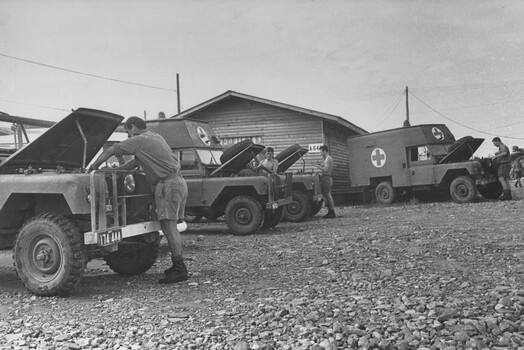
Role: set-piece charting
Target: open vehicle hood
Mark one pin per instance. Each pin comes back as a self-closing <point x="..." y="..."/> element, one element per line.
<point x="286" y="163"/>
<point x="463" y="151"/>
<point x="63" y="144"/>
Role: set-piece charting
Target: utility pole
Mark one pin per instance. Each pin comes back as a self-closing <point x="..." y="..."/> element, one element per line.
<point x="178" y="92"/>
<point x="406" y="122"/>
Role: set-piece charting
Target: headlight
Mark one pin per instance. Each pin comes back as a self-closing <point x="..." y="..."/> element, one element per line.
<point x="129" y="183"/>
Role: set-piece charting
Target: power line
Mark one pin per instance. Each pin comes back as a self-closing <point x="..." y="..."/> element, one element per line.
<point x="372" y="96"/>
<point x="33" y="105"/>
<point x="479" y="105"/>
<point x="473" y="86"/>
<point x="463" y="125"/>
<point x="390" y="109"/>
<point x="86" y="74"/>
<point x="508" y="125"/>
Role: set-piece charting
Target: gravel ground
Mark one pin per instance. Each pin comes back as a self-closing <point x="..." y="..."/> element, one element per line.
<point x="407" y="276"/>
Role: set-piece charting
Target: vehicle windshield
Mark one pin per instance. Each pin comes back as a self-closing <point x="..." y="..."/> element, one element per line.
<point x="209" y="157"/>
<point x="438" y="150"/>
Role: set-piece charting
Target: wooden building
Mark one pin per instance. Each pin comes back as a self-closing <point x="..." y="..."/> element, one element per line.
<point x="236" y="117"/>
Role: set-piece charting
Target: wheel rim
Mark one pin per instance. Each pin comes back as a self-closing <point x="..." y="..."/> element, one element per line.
<point x="462" y="190"/>
<point x="243" y="216"/>
<point x="294" y="207"/>
<point x="384" y="194"/>
<point x="44" y="257"/>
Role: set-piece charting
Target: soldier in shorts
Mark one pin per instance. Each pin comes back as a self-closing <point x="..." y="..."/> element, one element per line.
<point x="503" y="159"/>
<point x="326" y="184"/>
<point x="162" y="171"/>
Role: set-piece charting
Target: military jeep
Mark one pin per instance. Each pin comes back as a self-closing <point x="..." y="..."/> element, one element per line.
<point x="216" y="184"/>
<point x="58" y="216"/>
<point x="306" y="198"/>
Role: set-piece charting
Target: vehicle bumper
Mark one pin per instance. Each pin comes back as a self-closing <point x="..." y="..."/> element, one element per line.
<point x="485" y="181"/>
<point x="114" y="235"/>
<point x="279" y="203"/>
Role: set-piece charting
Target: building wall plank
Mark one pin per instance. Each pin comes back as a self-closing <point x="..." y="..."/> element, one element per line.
<point x="236" y="118"/>
<point x="278" y="128"/>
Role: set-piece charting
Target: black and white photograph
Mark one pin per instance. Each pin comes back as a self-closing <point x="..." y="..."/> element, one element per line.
<point x="261" y="175"/>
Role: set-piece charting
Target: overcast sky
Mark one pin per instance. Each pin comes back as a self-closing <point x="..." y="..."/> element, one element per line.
<point x="462" y="60"/>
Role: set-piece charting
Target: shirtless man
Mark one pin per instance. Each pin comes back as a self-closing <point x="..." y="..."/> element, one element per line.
<point x="270" y="164"/>
<point x="326" y="184"/>
<point x="503" y="158"/>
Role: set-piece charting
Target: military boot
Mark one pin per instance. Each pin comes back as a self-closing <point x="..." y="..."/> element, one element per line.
<point x="330" y="215"/>
<point x="176" y="273"/>
<point x="506" y="195"/>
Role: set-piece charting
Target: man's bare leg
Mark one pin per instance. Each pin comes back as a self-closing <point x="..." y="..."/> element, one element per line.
<point x="174" y="239"/>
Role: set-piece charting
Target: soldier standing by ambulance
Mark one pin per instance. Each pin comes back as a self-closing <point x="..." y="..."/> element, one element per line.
<point x="503" y="159"/>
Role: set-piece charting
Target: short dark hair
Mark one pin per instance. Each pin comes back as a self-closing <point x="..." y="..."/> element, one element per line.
<point x="270" y="149"/>
<point x="324" y="148"/>
<point x="496" y="139"/>
<point x="139" y="123"/>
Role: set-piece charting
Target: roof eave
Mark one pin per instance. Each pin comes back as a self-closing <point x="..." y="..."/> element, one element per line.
<point x="231" y="93"/>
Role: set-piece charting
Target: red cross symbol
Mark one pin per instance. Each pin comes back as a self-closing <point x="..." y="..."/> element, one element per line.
<point x="378" y="157"/>
<point x="439" y="135"/>
<point x="203" y="135"/>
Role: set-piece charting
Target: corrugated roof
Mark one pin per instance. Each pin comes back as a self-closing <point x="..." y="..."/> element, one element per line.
<point x="231" y="93"/>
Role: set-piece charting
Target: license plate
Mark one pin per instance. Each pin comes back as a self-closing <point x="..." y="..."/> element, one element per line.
<point x="109" y="206"/>
<point x="109" y="237"/>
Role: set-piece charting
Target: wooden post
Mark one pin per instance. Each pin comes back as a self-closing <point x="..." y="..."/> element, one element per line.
<point x="178" y="93"/>
<point x="406" y="122"/>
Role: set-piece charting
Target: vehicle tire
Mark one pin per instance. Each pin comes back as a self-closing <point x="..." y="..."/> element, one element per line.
<point x="385" y="193"/>
<point x="273" y="218"/>
<point x="463" y="189"/>
<point x="315" y="208"/>
<point x="299" y="209"/>
<point x="459" y="142"/>
<point x="239" y="163"/>
<point x="491" y="191"/>
<point x="286" y="153"/>
<point x="49" y="256"/>
<point x="212" y="213"/>
<point x="130" y="260"/>
<point x="244" y="215"/>
<point x="193" y="216"/>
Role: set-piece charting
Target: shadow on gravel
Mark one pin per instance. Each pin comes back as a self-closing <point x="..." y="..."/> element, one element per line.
<point x="9" y="280"/>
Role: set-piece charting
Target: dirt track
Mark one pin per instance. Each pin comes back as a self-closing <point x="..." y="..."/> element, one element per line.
<point x="409" y="276"/>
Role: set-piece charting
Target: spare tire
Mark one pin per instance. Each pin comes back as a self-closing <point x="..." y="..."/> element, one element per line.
<point x="283" y="166"/>
<point x="458" y="143"/>
<point x="287" y="152"/>
<point x="240" y="162"/>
